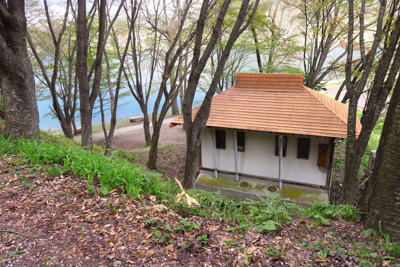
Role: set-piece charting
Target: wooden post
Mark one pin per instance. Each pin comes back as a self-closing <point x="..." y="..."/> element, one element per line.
<point x="213" y="154"/>
<point x="236" y="164"/>
<point x="280" y="159"/>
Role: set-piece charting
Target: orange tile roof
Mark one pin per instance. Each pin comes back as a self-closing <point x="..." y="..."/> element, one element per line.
<point x="277" y="102"/>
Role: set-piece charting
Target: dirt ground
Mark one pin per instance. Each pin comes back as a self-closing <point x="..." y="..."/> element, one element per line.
<point x="52" y="220"/>
<point x="172" y="148"/>
<point x="135" y="139"/>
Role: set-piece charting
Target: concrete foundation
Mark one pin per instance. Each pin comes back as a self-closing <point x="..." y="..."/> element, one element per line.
<point x="248" y="188"/>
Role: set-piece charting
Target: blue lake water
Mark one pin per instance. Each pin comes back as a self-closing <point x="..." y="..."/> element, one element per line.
<point x="127" y="108"/>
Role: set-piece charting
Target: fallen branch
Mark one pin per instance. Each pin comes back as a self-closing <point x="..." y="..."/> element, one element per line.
<point x="17" y="233"/>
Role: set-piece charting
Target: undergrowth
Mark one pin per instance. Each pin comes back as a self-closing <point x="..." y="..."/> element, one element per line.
<point x="115" y="172"/>
<point x="111" y="172"/>
<point x="266" y="215"/>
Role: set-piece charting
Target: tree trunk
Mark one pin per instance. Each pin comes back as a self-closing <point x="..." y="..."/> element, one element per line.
<point x="75" y="128"/>
<point x="353" y="157"/>
<point x="2" y="115"/>
<point x="87" y="96"/>
<point x="383" y="191"/>
<point x="81" y="72"/>
<point x="257" y="50"/>
<point x="16" y="75"/>
<point x="67" y="130"/>
<point x="151" y="164"/>
<point x="146" y="127"/>
<point x="103" y="121"/>
<point x="21" y="112"/>
<point x="192" y="159"/>
<point x="174" y="107"/>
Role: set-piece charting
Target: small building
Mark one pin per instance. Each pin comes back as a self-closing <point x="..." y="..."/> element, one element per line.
<point x="268" y="132"/>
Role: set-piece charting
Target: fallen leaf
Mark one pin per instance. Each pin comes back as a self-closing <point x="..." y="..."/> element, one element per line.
<point x="253" y="249"/>
<point x="140" y="254"/>
<point x="189" y="199"/>
<point x="159" y="208"/>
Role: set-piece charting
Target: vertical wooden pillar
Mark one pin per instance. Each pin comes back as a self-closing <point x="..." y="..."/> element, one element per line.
<point x="280" y="139"/>
<point x="213" y="154"/>
<point x="236" y="148"/>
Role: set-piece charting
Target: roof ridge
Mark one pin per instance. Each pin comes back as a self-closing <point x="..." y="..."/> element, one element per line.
<point x="310" y="91"/>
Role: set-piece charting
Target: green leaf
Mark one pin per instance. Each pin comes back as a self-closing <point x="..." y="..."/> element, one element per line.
<point x="325" y="221"/>
<point x="152" y="219"/>
<point x="32" y="174"/>
<point x="157" y="234"/>
<point x="368" y="232"/>
<point x="104" y="190"/>
<point x="268" y="225"/>
<point x="195" y="226"/>
<point x="56" y="171"/>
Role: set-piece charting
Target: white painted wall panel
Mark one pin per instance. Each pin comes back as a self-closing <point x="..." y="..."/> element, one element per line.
<point x="259" y="157"/>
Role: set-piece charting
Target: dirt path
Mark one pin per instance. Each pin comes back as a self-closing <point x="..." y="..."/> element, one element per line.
<point x="133" y="136"/>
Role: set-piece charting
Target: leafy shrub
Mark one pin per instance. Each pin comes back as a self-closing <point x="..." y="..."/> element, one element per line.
<point x="111" y="172"/>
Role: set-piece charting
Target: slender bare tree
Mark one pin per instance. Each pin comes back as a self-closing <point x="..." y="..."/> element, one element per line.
<point x="172" y="64"/>
<point x="65" y="116"/>
<point x="194" y="126"/>
<point x="141" y="63"/>
<point x="88" y="94"/>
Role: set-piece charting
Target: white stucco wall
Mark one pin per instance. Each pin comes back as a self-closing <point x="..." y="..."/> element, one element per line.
<point x="259" y="157"/>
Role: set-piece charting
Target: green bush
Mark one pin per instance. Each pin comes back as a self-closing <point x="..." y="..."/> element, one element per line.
<point x="111" y="172"/>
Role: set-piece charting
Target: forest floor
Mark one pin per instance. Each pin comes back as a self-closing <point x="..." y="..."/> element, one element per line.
<point x="52" y="220"/>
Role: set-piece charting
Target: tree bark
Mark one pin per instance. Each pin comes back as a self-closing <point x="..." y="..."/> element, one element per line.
<point x="382" y="207"/>
<point x="385" y="77"/>
<point x="174" y="107"/>
<point x="16" y="75"/>
<point x="82" y="36"/>
<point x="146" y="126"/>
<point x="87" y="96"/>
<point x="153" y="152"/>
<point x="258" y="55"/>
<point x="2" y="115"/>
<point x="103" y="122"/>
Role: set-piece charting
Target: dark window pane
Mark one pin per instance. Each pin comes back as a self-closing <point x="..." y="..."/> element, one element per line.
<point x="277" y="146"/>
<point x="220" y="136"/>
<point x="240" y="141"/>
<point x="303" y="148"/>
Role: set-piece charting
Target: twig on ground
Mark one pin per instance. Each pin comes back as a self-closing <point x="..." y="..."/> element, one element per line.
<point x="17" y="233"/>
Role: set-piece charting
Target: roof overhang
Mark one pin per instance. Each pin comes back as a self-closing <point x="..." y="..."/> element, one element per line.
<point x="277" y="103"/>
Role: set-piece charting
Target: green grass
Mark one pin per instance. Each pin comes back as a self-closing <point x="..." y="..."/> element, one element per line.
<point x="333" y="83"/>
<point x="111" y="172"/>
